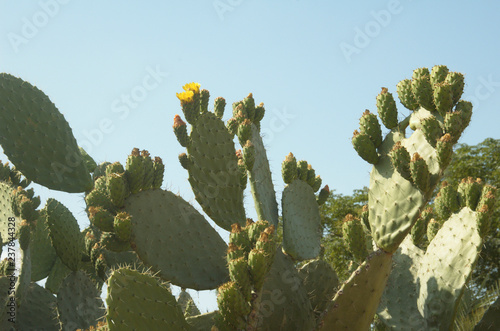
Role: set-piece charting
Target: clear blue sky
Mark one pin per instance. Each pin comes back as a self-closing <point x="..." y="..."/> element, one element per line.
<point x="113" y="69"/>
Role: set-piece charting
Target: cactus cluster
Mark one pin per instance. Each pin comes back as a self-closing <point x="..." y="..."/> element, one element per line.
<point x="142" y="238"/>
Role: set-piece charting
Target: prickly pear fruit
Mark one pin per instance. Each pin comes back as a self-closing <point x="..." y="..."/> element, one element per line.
<point x="438" y="74"/>
<point x="323" y="195"/>
<point x="204" y="98"/>
<point x="365" y="147"/>
<point x="148" y="170"/>
<point x="400" y="159"/>
<point x="446" y="202"/>
<point x="443" y="97"/>
<point x="238" y="272"/>
<point x="110" y="241"/>
<point x="420" y="172"/>
<point x="302" y="170"/>
<point x="387" y="110"/>
<point x="354" y="236"/>
<point x="114" y="168"/>
<point x="249" y="105"/>
<point x="444" y="150"/>
<point x="432" y="229"/>
<point x="259" y="113"/>
<point x="431" y="129"/>
<point x="117" y="188"/>
<point x="219" y="105"/>
<point x="456" y="80"/>
<point x="465" y="110"/>
<point x="469" y="192"/>
<point x="232" y="305"/>
<point x="123" y="226"/>
<point x="101" y="218"/>
<point x="135" y="171"/>
<point x="239" y="237"/>
<point x="180" y="130"/>
<point x="259" y="266"/>
<point x="158" y="170"/>
<point x="419" y="229"/>
<point x="453" y="125"/>
<point x="248" y="153"/>
<point x="244" y="131"/>
<point x="405" y="95"/>
<point x="368" y="124"/>
<point x="422" y="89"/>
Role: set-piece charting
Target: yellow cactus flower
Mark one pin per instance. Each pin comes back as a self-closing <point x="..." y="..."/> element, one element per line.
<point x="186" y="96"/>
<point x="195" y="87"/>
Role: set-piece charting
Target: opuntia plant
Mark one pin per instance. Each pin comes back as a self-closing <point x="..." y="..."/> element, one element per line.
<point x="411" y="263"/>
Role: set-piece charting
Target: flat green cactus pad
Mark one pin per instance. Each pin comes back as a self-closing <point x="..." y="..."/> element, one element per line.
<point x="446" y="267"/>
<point x="38" y="310"/>
<point x="48" y="155"/>
<point x="138" y="302"/>
<point x="320" y="281"/>
<point x="301" y="221"/>
<point x="43" y="254"/>
<point x="173" y="238"/>
<point x="261" y="182"/>
<point x="352" y="308"/>
<point x="78" y="303"/>
<point x="214" y="174"/>
<point x="56" y="276"/>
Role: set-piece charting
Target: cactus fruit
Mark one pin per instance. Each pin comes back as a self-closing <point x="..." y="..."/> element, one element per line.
<point x="386" y="107"/>
<point x="365" y="147"/>
<point x="354" y="236"/>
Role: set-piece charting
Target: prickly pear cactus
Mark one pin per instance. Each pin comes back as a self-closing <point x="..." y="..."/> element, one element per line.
<point x="141" y="238"/>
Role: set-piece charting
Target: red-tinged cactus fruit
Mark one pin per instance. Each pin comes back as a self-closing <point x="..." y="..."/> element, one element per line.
<point x="232" y="126"/>
<point x="438" y="74"/>
<point x="240" y="237"/>
<point x="135" y="171"/>
<point x="248" y="153"/>
<point x="259" y="113"/>
<point x="204" y="98"/>
<point x="386" y="107"/>
<point x="232" y="305"/>
<point x="432" y="229"/>
<point x="302" y="170"/>
<point x="465" y="109"/>
<point x="355" y="238"/>
<point x="368" y="124"/>
<point x="289" y="168"/>
<point x="323" y="195"/>
<point x="469" y="192"/>
<point x="457" y="82"/>
<point x="420" y="172"/>
<point x="185" y="161"/>
<point x="158" y="173"/>
<point x="311" y="175"/>
<point x="444" y="150"/>
<point x="443" y="97"/>
<point x="244" y="132"/>
<point x="365" y="147"/>
<point x="249" y="104"/>
<point x="114" y="168"/>
<point x="123" y="226"/>
<point x="101" y="218"/>
<point x="422" y="88"/>
<point x="148" y="170"/>
<point x="400" y="159"/>
<point x="180" y="130"/>
<point x="431" y="129"/>
<point x="453" y="125"/>
<point x="219" y="106"/>
<point x="317" y="183"/>
<point x="239" y="273"/>
<point x="419" y="229"/>
<point x="405" y="95"/>
<point x="446" y="202"/>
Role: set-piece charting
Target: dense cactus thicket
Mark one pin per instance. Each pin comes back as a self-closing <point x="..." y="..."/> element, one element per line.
<point x="412" y="261"/>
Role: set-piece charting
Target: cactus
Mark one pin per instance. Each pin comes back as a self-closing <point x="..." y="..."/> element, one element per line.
<point x="142" y="236"/>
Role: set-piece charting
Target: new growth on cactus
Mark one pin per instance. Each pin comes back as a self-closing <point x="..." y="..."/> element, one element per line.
<point x="142" y="238"/>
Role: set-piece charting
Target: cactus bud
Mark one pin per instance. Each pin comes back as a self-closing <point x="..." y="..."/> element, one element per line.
<point x="302" y="170"/>
<point x="432" y="229"/>
<point x="240" y="238"/>
<point x="443" y="97"/>
<point x="148" y="170"/>
<point x="469" y="192"/>
<point x="234" y="252"/>
<point x="311" y="175"/>
<point x="456" y="80"/>
<point x="323" y="195"/>
<point x="242" y="170"/>
<point x="249" y="154"/>
<point x="123" y="226"/>
<point x="101" y="218"/>
<point x="422" y="89"/>
<point x="419" y="229"/>
<point x="444" y="150"/>
<point x="368" y="124"/>
<point x="400" y="159"/>
<point x="238" y="273"/>
<point x="317" y="184"/>
<point x="219" y="105"/>
<point x="232" y="126"/>
<point x="117" y="188"/>
<point x="98" y="198"/>
<point x="405" y="95"/>
<point x="465" y="109"/>
<point x="255" y="229"/>
<point x="487" y="197"/>
<point x="185" y="161"/>
<point x="431" y="129"/>
<point x="158" y="170"/>
<point x="249" y="104"/>
<point x="354" y="236"/>
<point x="180" y="130"/>
<point x="266" y="243"/>
<point x="438" y="74"/>
<point x="453" y="125"/>
<point x="135" y="171"/>
<point x="244" y="132"/>
<point x="365" y="147"/>
<point x="259" y="266"/>
<point x="239" y="110"/>
<point x="259" y="113"/>
<point x="387" y="110"/>
<point x="232" y="305"/>
<point x="204" y="97"/>
<point x="446" y="202"/>
<point x="420" y="172"/>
